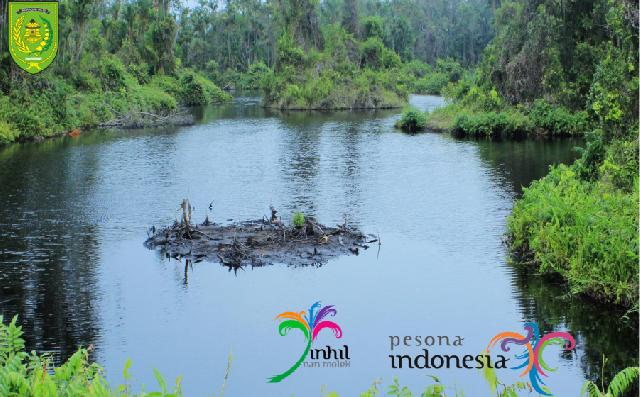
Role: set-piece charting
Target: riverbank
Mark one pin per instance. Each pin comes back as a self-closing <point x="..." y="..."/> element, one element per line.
<point x="349" y="72"/>
<point x="584" y="231"/>
<point x="581" y="221"/>
<point x="52" y="104"/>
<point x="461" y="119"/>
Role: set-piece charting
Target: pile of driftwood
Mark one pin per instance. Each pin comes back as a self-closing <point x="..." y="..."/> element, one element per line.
<point x="258" y="242"/>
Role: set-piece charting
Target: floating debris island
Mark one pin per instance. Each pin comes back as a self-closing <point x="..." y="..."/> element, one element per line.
<point x="258" y="242"/>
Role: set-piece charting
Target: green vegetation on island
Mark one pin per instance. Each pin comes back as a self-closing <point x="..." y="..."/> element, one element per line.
<point x="412" y="120"/>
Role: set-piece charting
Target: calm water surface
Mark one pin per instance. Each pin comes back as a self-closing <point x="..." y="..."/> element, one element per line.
<point x="75" y="213"/>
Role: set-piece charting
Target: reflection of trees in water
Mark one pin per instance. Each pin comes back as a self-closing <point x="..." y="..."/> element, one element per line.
<point x="242" y="108"/>
<point x="305" y="158"/>
<point x="349" y="163"/>
<point x="47" y="250"/>
<point x="598" y="329"/>
<point x="300" y="164"/>
<point x="518" y="163"/>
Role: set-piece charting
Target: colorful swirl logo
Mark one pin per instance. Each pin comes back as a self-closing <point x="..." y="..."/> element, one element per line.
<point x="310" y="326"/>
<point x="532" y="359"/>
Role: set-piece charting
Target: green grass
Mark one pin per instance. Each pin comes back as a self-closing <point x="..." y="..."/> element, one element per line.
<point x="585" y="231"/>
<point x="298" y="219"/>
<point x="541" y="119"/>
<point x="510" y="124"/>
<point x="7" y="132"/>
<point x="442" y="118"/>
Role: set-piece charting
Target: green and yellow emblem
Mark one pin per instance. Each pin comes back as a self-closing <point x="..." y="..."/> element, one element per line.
<point x="33" y="34"/>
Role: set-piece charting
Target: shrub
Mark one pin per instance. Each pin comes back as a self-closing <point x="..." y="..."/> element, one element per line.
<point x="481" y="99"/>
<point x="113" y="74"/>
<point x="140" y="72"/>
<point x="213" y="93"/>
<point x="372" y="53"/>
<point x="289" y="53"/>
<point x="416" y="68"/>
<point x="457" y="90"/>
<point x="292" y="97"/>
<point x="197" y="90"/>
<point x="431" y="84"/>
<point x="7" y="132"/>
<point x="83" y="80"/>
<point x="154" y="99"/>
<point x="252" y="78"/>
<point x="492" y="124"/>
<point x="298" y="219"/>
<point x="451" y="68"/>
<point x="212" y="68"/>
<point x="373" y="27"/>
<point x="620" y="165"/>
<point x="412" y="120"/>
<point x="192" y="92"/>
<point x="557" y="120"/>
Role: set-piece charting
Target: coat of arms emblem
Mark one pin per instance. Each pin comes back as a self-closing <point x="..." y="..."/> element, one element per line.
<point x="33" y="34"/>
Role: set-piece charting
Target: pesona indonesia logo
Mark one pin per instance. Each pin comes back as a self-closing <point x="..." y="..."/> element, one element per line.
<point x="310" y="324"/>
<point x="531" y="359"/>
<point x="528" y="355"/>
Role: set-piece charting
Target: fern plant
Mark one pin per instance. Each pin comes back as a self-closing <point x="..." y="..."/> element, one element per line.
<point x="33" y="375"/>
<point x="619" y="385"/>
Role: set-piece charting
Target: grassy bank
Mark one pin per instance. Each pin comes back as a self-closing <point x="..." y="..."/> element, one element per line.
<point x="585" y="231"/>
<point x="487" y="116"/>
<point x="51" y="104"/>
<point x="580" y="221"/>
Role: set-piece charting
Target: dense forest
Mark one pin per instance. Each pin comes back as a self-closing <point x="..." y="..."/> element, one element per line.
<point x="118" y="59"/>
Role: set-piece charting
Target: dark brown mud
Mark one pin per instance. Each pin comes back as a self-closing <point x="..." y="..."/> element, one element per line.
<point x="258" y="242"/>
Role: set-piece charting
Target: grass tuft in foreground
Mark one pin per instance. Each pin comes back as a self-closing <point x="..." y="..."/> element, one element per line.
<point x="25" y="374"/>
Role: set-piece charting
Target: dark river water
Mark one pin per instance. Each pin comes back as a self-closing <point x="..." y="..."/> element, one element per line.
<point x="75" y="214"/>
